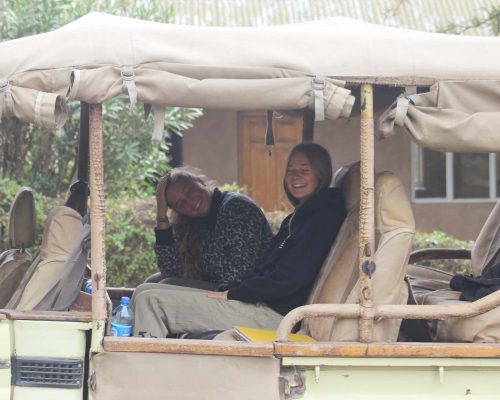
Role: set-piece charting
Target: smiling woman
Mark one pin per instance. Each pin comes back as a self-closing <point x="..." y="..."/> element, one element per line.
<point x="309" y="169"/>
<point x="215" y="237"/>
<point x="187" y="196"/>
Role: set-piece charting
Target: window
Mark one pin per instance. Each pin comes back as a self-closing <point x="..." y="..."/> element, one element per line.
<point x="454" y="176"/>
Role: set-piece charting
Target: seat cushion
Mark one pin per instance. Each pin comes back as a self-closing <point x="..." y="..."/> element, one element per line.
<point x="484" y="328"/>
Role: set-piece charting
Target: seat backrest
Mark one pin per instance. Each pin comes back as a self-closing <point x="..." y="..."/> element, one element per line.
<point x="62" y="230"/>
<point x="15" y="261"/>
<point x="337" y="281"/>
<point x="486" y="250"/>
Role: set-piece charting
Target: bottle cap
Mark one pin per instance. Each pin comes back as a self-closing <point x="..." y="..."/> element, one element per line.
<point x="125" y="300"/>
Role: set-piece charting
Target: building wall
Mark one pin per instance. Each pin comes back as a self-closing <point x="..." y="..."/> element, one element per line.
<point x="212" y="145"/>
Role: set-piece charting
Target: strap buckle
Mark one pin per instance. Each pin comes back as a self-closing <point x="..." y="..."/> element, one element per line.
<point x="318" y="85"/>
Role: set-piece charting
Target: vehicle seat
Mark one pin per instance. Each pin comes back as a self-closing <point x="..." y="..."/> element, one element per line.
<point x="15" y="262"/>
<point x="54" y="278"/>
<point x="434" y="290"/>
<point x="337" y="281"/>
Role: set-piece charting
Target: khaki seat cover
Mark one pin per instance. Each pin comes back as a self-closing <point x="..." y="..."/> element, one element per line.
<point x="337" y="281"/>
<point x="62" y="229"/>
<point x="484" y="328"/>
<point x="486" y="250"/>
<point x="432" y="288"/>
<point x="13" y="266"/>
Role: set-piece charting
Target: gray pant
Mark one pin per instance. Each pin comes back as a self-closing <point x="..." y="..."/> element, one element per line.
<point x="167" y="309"/>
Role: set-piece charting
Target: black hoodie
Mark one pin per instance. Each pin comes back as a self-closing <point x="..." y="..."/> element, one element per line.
<point x="285" y="277"/>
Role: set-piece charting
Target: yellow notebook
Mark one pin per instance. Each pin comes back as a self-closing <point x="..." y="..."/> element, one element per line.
<point x="247" y="334"/>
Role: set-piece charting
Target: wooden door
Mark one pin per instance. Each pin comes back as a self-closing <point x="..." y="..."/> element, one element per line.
<point x="260" y="172"/>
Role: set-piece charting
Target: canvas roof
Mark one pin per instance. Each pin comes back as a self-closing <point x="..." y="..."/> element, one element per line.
<point x="337" y="47"/>
<point x="100" y="56"/>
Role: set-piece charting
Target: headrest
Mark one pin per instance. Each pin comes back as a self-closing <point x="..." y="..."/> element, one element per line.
<point x="22" y="220"/>
<point x="347" y="180"/>
<point x="393" y="208"/>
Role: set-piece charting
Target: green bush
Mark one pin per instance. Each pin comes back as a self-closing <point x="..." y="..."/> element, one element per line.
<point x="233" y="187"/>
<point x="130" y="238"/>
<point x="439" y="239"/>
<point x="275" y="219"/>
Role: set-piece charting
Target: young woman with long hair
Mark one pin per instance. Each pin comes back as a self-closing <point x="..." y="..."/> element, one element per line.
<point x="214" y="237"/>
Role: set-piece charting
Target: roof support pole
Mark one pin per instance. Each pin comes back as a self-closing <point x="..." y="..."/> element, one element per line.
<point x="366" y="215"/>
<point x="97" y="213"/>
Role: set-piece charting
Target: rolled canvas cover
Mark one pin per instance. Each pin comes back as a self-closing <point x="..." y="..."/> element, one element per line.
<point x="161" y="376"/>
<point x="338" y="279"/>
<point x="452" y="116"/>
<point x="34" y="106"/>
<point x="61" y="231"/>
<point x="167" y="89"/>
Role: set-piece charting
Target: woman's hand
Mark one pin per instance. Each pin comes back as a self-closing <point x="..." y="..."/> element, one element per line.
<point x="218" y="295"/>
<point x="161" y="203"/>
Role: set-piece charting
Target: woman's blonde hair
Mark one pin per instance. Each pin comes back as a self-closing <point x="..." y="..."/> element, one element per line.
<point x="320" y="161"/>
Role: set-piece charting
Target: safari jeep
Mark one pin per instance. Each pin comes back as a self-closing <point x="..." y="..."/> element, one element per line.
<point x="54" y="341"/>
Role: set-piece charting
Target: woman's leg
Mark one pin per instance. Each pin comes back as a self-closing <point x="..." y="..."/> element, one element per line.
<point x="161" y="312"/>
<point x="161" y="286"/>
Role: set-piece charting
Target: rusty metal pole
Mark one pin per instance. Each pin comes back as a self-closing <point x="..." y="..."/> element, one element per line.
<point x="366" y="215"/>
<point x="97" y="214"/>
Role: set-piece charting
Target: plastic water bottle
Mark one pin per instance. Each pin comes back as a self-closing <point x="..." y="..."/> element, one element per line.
<point x="122" y="319"/>
<point x="88" y="286"/>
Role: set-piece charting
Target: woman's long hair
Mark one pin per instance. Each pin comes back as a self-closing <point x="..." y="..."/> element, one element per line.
<point x="320" y="161"/>
<point x="188" y="236"/>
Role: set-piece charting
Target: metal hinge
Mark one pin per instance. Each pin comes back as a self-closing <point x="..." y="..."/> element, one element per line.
<point x="92" y="381"/>
<point x="292" y="383"/>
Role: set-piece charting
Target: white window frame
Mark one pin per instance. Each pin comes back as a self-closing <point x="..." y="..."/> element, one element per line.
<point x="493" y="195"/>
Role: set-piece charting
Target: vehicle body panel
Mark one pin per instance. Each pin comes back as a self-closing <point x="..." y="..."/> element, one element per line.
<point x="50" y="341"/>
<point x="398" y="378"/>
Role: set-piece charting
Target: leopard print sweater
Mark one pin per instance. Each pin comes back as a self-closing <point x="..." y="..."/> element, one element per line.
<point x="235" y="236"/>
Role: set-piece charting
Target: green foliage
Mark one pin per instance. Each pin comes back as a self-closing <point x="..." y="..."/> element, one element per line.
<point x="129" y="233"/>
<point x="233" y="187"/>
<point x="439" y="239"/>
<point x="129" y="242"/>
<point x="133" y="161"/>
<point x="21" y="18"/>
<point x="489" y="19"/>
<point x="46" y="160"/>
<point x="275" y="218"/>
